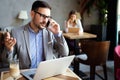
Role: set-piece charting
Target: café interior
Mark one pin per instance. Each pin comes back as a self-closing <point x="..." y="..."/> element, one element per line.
<point x="100" y="39"/>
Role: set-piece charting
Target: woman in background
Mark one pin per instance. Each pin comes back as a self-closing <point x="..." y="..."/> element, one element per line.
<point x="73" y="21"/>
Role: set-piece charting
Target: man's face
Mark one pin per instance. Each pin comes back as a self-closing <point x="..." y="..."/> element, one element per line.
<point x="41" y="17"/>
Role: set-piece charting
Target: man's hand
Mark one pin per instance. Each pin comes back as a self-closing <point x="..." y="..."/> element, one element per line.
<point x="54" y="27"/>
<point x="9" y="41"/>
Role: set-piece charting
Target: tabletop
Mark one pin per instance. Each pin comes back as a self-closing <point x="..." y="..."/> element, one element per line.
<point x="68" y="75"/>
<point x="83" y="35"/>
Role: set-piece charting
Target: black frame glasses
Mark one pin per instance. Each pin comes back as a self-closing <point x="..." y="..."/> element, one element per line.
<point x="42" y="15"/>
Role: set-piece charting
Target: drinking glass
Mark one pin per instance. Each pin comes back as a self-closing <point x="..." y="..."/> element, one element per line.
<point x="14" y="68"/>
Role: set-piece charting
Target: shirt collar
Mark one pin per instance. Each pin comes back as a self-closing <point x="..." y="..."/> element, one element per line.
<point x="31" y="30"/>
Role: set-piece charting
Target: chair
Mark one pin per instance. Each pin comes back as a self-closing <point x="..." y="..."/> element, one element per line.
<point x="97" y="53"/>
<point x="117" y="62"/>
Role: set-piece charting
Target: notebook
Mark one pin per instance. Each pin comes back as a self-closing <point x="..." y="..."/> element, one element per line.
<point x="49" y="68"/>
<point x="73" y="30"/>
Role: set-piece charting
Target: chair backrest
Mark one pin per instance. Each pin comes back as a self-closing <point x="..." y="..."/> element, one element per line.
<point x="97" y="52"/>
<point x="117" y="62"/>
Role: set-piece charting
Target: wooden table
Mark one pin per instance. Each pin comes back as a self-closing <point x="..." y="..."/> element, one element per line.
<point x="83" y="35"/>
<point x="76" y="37"/>
<point x="69" y="75"/>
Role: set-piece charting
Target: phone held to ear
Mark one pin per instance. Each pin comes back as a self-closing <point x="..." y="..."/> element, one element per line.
<point x="48" y="23"/>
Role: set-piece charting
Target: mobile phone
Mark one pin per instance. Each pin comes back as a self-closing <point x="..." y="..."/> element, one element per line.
<point x="48" y="23"/>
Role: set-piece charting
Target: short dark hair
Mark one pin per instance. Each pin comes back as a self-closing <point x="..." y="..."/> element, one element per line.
<point x="39" y="3"/>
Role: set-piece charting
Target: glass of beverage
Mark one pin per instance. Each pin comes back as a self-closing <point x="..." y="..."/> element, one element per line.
<point x="14" y="68"/>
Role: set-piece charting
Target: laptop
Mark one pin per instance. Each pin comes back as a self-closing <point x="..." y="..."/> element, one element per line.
<point x="73" y="30"/>
<point x="49" y="68"/>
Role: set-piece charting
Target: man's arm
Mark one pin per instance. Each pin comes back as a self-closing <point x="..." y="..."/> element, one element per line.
<point x="61" y="46"/>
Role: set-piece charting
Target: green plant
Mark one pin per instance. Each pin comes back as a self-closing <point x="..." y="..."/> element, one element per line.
<point x="100" y="5"/>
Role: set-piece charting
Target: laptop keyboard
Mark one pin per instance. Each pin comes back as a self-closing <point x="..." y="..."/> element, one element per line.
<point x="32" y="75"/>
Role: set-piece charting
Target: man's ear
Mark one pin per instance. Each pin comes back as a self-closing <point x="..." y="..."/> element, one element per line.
<point x="32" y="14"/>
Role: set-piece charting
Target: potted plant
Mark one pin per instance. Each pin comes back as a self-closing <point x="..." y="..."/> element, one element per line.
<point x="101" y="6"/>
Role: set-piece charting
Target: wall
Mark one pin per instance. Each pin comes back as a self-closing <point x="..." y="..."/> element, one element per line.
<point x="9" y="10"/>
<point x="112" y="26"/>
<point x="118" y="22"/>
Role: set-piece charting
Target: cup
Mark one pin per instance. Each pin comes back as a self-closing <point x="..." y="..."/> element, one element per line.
<point x="14" y="68"/>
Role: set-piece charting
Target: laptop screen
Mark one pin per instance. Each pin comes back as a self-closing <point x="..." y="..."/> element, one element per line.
<point x="49" y="68"/>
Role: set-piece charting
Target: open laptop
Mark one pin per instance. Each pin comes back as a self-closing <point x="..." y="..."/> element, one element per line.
<point x="73" y="30"/>
<point x="49" y="68"/>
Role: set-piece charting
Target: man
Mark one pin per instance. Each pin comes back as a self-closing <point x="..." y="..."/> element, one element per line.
<point x="39" y="40"/>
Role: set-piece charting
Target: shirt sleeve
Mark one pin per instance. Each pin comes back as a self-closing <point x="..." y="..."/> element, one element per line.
<point x="59" y="34"/>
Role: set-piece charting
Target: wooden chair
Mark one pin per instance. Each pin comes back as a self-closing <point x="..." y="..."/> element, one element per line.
<point x="117" y="62"/>
<point x="97" y="54"/>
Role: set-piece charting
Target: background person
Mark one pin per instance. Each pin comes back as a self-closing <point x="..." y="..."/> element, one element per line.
<point x="73" y="21"/>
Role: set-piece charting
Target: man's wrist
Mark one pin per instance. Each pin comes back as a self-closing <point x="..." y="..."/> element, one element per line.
<point x="58" y="34"/>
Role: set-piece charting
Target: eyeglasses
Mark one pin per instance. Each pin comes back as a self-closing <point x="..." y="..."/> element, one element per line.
<point x="42" y="15"/>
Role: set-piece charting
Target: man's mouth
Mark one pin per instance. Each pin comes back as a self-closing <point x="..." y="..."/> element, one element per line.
<point x="43" y="24"/>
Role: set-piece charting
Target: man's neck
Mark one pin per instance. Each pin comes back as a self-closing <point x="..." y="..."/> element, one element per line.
<point x="34" y="28"/>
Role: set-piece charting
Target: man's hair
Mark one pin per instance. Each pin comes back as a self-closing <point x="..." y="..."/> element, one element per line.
<point x="37" y="4"/>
